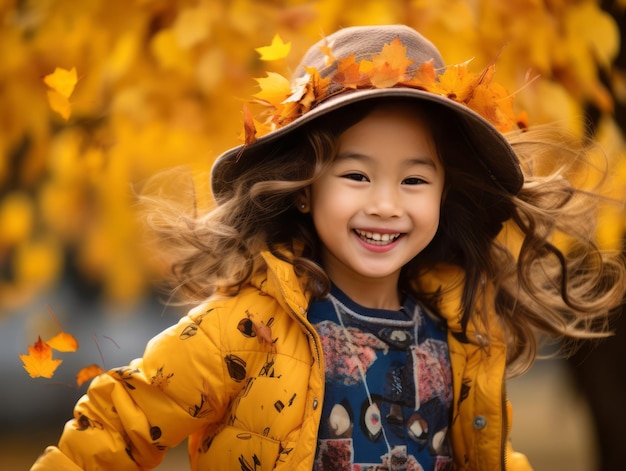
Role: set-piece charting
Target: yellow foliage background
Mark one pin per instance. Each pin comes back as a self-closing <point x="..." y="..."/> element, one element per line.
<point x="160" y="83"/>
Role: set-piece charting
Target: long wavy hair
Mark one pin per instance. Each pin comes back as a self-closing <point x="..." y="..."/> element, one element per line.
<point x="536" y="286"/>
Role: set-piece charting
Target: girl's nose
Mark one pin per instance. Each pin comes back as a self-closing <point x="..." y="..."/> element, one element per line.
<point x="383" y="201"/>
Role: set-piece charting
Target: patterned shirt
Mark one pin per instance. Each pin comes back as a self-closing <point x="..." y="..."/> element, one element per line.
<point x="388" y="387"/>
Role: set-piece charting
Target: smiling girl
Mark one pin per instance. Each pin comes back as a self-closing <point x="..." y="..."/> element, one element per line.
<point x="375" y="266"/>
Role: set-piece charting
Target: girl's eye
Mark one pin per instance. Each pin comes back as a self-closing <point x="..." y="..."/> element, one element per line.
<point x="357" y="177"/>
<point x="413" y="181"/>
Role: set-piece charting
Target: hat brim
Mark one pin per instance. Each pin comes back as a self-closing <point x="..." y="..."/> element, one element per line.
<point x="494" y="151"/>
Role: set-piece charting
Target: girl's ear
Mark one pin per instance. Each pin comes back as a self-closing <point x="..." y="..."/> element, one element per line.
<point x="303" y="200"/>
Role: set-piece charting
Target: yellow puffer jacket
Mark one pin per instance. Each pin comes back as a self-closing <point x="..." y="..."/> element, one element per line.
<point x="243" y="378"/>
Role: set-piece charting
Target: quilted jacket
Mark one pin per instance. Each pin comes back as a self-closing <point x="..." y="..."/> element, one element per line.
<point x="243" y="378"/>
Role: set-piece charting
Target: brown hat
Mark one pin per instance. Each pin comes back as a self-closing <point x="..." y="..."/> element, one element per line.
<point x="332" y="75"/>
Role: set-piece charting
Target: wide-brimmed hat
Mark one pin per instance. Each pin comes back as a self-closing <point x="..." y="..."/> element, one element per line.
<point x="363" y="63"/>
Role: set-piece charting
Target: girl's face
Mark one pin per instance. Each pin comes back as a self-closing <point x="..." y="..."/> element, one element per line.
<point x="377" y="205"/>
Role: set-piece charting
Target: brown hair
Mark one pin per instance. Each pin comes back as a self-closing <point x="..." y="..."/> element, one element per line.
<point x="538" y="288"/>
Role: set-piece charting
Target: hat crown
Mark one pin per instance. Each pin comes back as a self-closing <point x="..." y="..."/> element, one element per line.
<point x="364" y="42"/>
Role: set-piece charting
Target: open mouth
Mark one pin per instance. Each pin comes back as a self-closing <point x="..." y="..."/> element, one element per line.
<point x="376" y="238"/>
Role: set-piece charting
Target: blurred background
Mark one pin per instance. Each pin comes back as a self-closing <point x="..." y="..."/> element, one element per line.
<point x="161" y="83"/>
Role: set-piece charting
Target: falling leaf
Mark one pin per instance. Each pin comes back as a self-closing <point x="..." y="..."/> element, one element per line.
<point x="87" y="373"/>
<point x="277" y="50"/>
<point x="39" y="361"/>
<point x="63" y="342"/>
<point x="62" y="81"/>
<point x="60" y="104"/>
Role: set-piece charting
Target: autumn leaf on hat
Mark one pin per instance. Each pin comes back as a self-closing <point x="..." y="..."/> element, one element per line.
<point x="389" y="67"/>
<point x="275" y="51"/>
<point x="62" y="83"/>
<point x="327" y="50"/>
<point x="274" y="89"/>
<point x="349" y="73"/>
<point x="457" y="83"/>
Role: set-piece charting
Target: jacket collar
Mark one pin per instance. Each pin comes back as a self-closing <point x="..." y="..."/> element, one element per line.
<point x="281" y="282"/>
<point x="447" y="281"/>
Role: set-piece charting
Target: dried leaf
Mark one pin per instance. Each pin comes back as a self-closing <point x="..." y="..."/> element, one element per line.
<point x="87" y="373"/>
<point x="349" y="74"/>
<point x="39" y="361"/>
<point x="63" y="342"/>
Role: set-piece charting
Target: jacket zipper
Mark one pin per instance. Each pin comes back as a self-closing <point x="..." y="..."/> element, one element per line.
<point x="306" y="327"/>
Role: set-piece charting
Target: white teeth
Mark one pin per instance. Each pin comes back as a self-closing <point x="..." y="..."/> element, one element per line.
<point x="377" y="238"/>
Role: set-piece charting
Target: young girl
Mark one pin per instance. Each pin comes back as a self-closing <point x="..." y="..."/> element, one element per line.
<point x="360" y="303"/>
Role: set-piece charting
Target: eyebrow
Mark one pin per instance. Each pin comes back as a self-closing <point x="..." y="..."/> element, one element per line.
<point x="422" y="160"/>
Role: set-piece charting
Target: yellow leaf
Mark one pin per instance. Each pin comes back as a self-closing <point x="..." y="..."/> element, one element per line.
<point x="39" y="362"/>
<point x="87" y="373"/>
<point x="63" y="342"/>
<point x="277" y="50"/>
<point x="62" y="81"/>
<point x="274" y="88"/>
<point x="60" y="104"/>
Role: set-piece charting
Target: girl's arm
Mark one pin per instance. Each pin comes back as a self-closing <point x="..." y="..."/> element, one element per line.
<point x="130" y="416"/>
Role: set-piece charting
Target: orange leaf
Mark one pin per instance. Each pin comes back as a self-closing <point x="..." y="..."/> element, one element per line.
<point x="39" y="360"/>
<point x="87" y="373"/>
<point x="63" y="342"/>
<point x="349" y="73"/>
<point x="425" y="75"/>
<point x="62" y="81"/>
<point x="390" y="65"/>
<point x="384" y="76"/>
<point x="426" y="71"/>
<point x="393" y="54"/>
<point x="320" y="85"/>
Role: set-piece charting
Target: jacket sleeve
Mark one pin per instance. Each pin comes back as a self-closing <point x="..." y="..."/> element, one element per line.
<point x="130" y="416"/>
